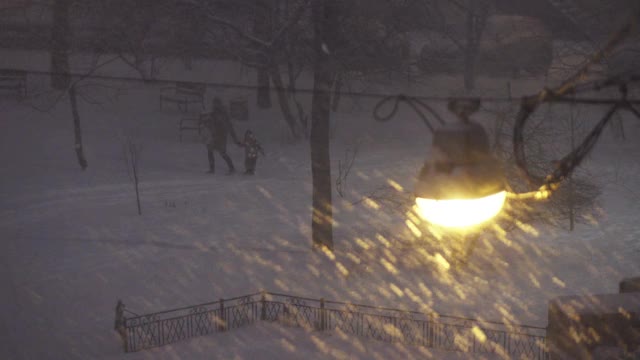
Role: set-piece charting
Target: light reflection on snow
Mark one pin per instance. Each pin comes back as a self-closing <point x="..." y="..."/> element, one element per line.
<point x="74" y="257"/>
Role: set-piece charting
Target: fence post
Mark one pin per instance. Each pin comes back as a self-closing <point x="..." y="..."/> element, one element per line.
<point x="394" y="334"/>
<point x="322" y="315"/>
<point x="119" y="324"/>
<point x="473" y="347"/>
<point x="223" y="320"/>
<point x="505" y="346"/>
<point x="431" y="331"/>
<point x="263" y="303"/>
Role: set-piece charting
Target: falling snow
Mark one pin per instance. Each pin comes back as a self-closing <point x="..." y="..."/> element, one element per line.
<point x="74" y="243"/>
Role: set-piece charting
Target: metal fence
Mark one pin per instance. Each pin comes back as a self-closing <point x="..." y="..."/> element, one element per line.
<point x="435" y="331"/>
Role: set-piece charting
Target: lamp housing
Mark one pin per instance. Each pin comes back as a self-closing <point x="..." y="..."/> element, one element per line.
<point x="461" y="167"/>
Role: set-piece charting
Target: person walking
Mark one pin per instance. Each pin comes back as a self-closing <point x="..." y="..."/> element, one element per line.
<point x="218" y="127"/>
<point x="251" y="149"/>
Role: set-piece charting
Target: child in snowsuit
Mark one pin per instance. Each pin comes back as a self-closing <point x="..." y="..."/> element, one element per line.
<point x="251" y="149"/>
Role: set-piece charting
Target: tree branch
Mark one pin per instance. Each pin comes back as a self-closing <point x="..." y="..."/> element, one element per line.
<point x="211" y="15"/>
<point x="292" y="21"/>
<point x="244" y="34"/>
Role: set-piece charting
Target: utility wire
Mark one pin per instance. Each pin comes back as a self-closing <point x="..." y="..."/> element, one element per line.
<point x="563" y="94"/>
<point x="417" y="104"/>
<point x="571" y="86"/>
<point x="385" y="97"/>
<point x="528" y="104"/>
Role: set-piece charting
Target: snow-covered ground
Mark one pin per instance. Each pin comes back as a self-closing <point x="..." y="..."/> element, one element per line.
<point x="270" y="341"/>
<point x="74" y="243"/>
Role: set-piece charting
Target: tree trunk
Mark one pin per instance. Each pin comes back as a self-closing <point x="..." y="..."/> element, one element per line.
<point x="303" y="119"/>
<point x="133" y="154"/>
<point x="264" y="91"/>
<point x="324" y="18"/>
<point x="262" y="30"/>
<point x="337" y="92"/>
<point x="77" y="131"/>
<point x="571" y="188"/>
<point x="470" y="49"/>
<point x="60" y="45"/>
<point x="284" y="101"/>
<point x="135" y="174"/>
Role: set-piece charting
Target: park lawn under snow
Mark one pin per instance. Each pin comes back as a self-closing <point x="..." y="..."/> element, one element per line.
<point x="74" y="243"/>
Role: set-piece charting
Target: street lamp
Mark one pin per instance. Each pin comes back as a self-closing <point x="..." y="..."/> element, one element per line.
<point x="462" y="184"/>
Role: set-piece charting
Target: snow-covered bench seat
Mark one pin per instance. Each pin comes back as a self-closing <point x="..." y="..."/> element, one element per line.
<point x="192" y="123"/>
<point x="13" y="82"/>
<point x="183" y="94"/>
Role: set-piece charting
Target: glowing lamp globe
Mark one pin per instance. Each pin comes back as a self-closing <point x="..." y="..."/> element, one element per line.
<point x="461" y="185"/>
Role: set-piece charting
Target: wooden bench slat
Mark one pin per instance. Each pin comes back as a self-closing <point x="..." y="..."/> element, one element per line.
<point x="182" y="93"/>
<point x="191" y="123"/>
<point x="14" y="80"/>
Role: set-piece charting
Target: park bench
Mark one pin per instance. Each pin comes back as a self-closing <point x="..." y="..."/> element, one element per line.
<point x="192" y="123"/>
<point x="183" y="94"/>
<point x="239" y="109"/>
<point x="13" y="82"/>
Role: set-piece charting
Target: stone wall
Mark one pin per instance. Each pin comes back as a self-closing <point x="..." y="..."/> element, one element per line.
<point x="596" y="326"/>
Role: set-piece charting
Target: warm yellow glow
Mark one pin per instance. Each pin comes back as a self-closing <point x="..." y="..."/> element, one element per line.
<point x="460" y="213"/>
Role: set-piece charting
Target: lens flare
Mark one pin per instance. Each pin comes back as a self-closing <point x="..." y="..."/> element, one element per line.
<point x="460" y="213"/>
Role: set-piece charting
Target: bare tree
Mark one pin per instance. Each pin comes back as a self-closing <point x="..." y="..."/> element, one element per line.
<point x="131" y="152"/>
<point x="462" y="24"/>
<point x="77" y="130"/>
<point x="548" y="133"/>
<point x="262" y="28"/>
<point x="258" y="34"/>
<point x="123" y="43"/>
<point x="265" y="53"/>
<point x="344" y="168"/>
<point x="60" y="77"/>
<point x="327" y="37"/>
<point x="60" y="39"/>
<point x="476" y="17"/>
<point x="128" y="29"/>
<point x="325" y="18"/>
<point x="471" y="37"/>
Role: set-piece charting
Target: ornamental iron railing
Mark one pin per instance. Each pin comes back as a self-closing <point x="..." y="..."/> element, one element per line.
<point x="450" y="333"/>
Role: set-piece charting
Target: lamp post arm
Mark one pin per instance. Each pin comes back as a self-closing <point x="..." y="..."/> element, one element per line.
<point x="570" y="161"/>
<point x="570" y="86"/>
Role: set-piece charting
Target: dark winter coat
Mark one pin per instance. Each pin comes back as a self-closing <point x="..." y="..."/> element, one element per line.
<point x="219" y="126"/>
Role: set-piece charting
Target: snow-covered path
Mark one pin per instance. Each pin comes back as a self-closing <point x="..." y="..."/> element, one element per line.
<point x="74" y="243"/>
